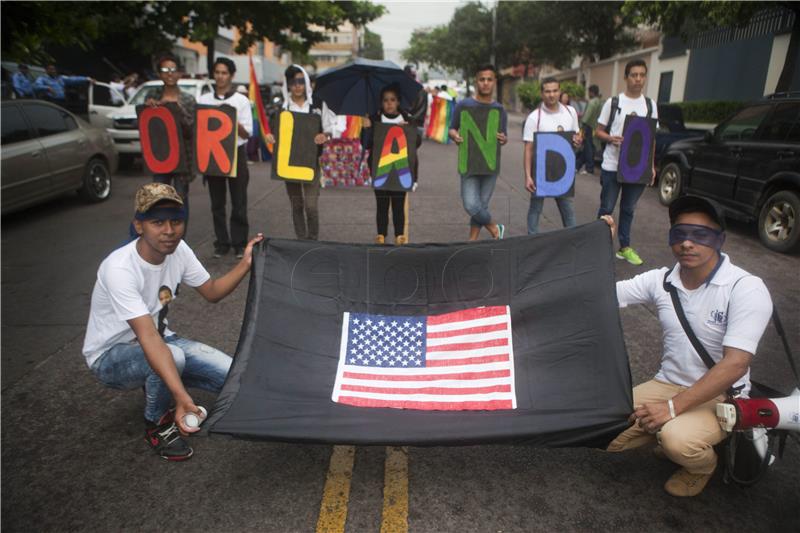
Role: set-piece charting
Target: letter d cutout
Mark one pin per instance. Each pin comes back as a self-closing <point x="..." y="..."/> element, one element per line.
<point x="548" y="182"/>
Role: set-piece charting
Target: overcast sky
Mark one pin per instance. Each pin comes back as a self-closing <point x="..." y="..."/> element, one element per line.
<point x="403" y="17"/>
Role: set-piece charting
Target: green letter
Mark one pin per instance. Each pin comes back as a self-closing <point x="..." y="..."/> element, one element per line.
<point x="487" y="144"/>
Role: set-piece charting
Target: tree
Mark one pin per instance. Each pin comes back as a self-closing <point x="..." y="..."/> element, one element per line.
<point x="30" y="28"/>
<point x="539" y="32"/>
<point x="461" y="45"/>
<point x="373" y="45"/>
<point x="688" y="18"/>
<point x="288" y="23"/>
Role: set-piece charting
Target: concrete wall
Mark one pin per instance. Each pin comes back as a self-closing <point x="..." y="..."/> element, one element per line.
<point x="678" y="66"/>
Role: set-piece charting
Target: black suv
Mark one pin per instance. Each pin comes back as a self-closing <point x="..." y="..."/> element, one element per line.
<point x="749" y="164"/>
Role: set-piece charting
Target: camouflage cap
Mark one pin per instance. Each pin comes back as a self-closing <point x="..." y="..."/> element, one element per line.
<point x="150" y="194"/>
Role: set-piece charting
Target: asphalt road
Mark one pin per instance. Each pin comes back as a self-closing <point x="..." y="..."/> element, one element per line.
<point x="73" y="457"/>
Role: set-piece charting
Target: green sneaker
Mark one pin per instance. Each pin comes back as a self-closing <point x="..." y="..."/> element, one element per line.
<point x="629" y="255"/>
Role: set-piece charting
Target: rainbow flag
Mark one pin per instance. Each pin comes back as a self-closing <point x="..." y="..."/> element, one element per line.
<point x="260" y="122"/>
<point x="354" y="125"/>
<point x="440" y="119"/>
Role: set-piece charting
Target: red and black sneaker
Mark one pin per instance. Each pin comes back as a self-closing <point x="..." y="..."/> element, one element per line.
<point x="165" y="439"/>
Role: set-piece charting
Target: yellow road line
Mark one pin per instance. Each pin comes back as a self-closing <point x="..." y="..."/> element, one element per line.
<point x="333" y="509"/>
<point x="394" y="518"/>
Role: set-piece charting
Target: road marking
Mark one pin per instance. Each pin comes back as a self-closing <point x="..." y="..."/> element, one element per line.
<point x="394" y="518"/>
<point x="333" y="509"/>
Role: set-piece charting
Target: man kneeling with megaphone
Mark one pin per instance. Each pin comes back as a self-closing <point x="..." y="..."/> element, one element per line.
<point x="713" y="315"/>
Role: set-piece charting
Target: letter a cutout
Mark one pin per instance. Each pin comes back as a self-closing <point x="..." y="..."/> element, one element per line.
<point x="394" y="160"/>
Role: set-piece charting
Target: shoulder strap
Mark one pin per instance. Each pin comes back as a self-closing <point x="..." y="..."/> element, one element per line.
<point x="614" y="109"/>
<point x="649" y="106"/>
<point x="676" y="303"/>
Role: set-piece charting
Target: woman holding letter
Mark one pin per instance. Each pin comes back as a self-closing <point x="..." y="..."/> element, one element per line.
<point x="390" y="113"/>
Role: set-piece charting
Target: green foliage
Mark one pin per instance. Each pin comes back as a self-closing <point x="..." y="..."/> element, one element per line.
<point x="373" y="45"/>
<point x="530" y="94"/>
<point x="574" y="90"/>
<point x="554" y="32"/>
<point x="686" y="18"/>
<point x="29" y="28"/>
<point x="461" y="45"/>
<point x="708" y="112"/>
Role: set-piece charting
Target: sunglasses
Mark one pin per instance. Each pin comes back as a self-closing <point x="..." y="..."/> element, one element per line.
<point x="702" y="235"/>
<point x="298" y="81"/>
<point x="168" y="70"/>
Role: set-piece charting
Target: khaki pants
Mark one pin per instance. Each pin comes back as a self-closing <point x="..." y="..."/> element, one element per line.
<point x="687" y="440"/>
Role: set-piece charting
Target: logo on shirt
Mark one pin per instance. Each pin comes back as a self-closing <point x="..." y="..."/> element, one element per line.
<point x="717" y="318"/>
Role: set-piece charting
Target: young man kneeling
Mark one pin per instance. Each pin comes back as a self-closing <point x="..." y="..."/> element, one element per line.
<point x="128" y="344"/>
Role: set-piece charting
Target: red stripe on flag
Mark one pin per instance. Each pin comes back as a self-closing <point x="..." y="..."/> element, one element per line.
<point x="429" y="390"/>
<point x="461" y="346"/>
<point x="467" y="314"/>
<point x="467" y="331"/>
<point x="430" y="377"/>
<point x="468" y="360"/>
<point x="489" y="405"/>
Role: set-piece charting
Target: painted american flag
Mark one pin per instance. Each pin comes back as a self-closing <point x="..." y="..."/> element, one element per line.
<point x="452" y="362"/>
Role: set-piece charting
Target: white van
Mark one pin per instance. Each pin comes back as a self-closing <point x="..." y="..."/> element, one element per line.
<point x="124" y="128"/>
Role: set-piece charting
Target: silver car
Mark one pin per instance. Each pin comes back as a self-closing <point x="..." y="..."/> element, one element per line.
<point x="47" y="151"/>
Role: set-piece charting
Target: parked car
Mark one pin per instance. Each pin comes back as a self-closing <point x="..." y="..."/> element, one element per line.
<point x="671" y="128"/>
<point x="124" y="127"/>
<point x="48" y="151"/>
<point x="750" y="165"/>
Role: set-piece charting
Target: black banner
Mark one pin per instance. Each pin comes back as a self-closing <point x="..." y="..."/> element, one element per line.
<point x="296" y="156"/>
<point x="552" y="369"/>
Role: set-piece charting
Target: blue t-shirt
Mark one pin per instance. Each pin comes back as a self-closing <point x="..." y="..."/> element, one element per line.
<point x="471" y="102"/>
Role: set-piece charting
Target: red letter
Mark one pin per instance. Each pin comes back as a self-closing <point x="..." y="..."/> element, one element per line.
<point x="210" y="142"/>
<point x="169" y="164"/>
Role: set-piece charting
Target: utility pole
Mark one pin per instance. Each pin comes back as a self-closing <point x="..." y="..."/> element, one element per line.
<point x="494" y="34"/>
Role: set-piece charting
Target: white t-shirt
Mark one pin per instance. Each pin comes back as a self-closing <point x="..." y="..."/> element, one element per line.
<point x="565" y="119"/>
<point x="244" y="113"/>
<point x="330" y="121"/>
<point x="715" y="317"/>
<point x="127" y="287"/>
<point x="627" y="106"/>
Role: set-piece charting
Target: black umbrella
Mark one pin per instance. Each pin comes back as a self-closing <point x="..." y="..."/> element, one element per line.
<point x="355" y="87"/>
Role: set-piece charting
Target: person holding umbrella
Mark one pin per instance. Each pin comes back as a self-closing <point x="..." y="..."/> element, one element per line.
<point x="297" y="97"/>
<point x="390" y="113"/>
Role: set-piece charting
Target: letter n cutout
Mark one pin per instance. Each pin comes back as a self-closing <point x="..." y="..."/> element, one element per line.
<point x="479" y="153"/>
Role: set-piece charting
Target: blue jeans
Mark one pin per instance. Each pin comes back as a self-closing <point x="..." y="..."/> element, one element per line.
<point x="627" y="204"/>
<point x="565" y="207"/>
<point x="476" y="192"/>
<point x="124" y="366"/>
<point x="586" y="155"/>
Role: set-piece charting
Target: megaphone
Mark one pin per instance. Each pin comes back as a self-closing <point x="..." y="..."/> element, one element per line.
<point x="744" y="413"/>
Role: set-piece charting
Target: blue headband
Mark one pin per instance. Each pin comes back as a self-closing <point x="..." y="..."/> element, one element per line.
<point x="162" y="213"/>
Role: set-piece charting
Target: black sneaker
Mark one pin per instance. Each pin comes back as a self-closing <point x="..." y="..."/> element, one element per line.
<point x="239" y="252"/>
<point x="219" y="251"/>
<point x="165" y="439"/>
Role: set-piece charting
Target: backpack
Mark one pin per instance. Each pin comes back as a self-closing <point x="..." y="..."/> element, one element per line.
<point x="613" y="114"/>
